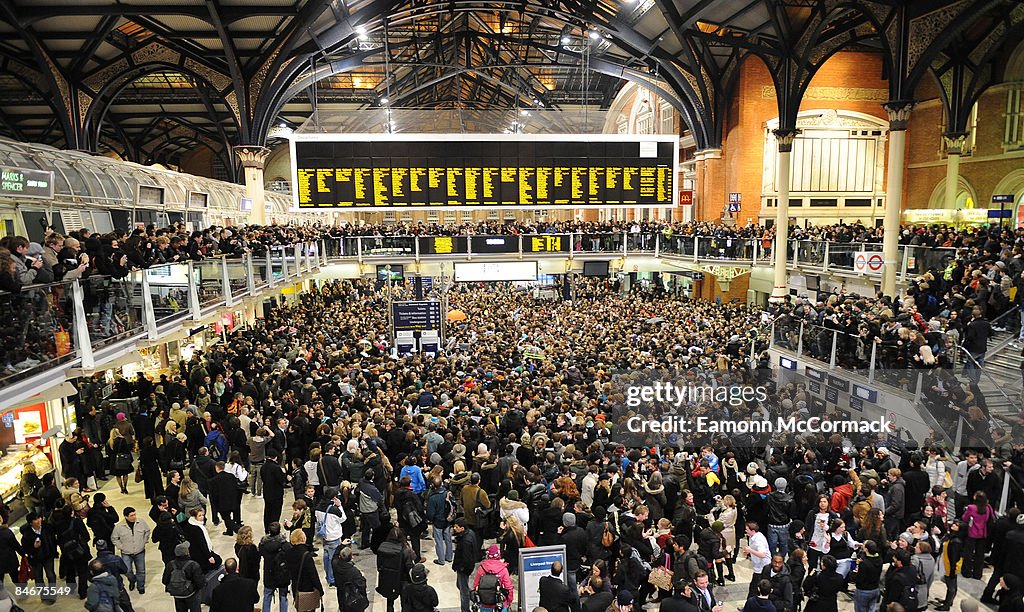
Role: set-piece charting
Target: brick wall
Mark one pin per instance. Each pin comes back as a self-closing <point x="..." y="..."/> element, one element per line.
<point x="983" y="170"/>
<point x="752" y="107"/>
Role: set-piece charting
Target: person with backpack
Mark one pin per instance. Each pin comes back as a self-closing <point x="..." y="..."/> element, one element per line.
<point x="103" y="592"/>
<point x="492" y="586"/>
<point x="73" y="540"/>
<point x="184" y="580"/>
<point x="330" y="530"/>
<point x="901" y="582"/>
<point x="411" y="514"/>
<point x="277" y="576"/>
<point x="216" y="443"/>
<point x="441" y="511"/>
<point x="350" y="582"/>
<point x="418" y="596"/>
<point x="395" y="560"/>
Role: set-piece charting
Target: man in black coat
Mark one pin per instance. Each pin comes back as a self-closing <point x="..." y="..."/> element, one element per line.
<point x="349" y="579"/>
<point x="274" y="483"/>
<point x="555" y="595"/>
<point x="467" y="553"/>
<point x="225" y="497"/>
<point x="575" y="540"/>
<point x="235" y="593"/>
<point x="102" y="517"/>
<point x="682" y="600"/>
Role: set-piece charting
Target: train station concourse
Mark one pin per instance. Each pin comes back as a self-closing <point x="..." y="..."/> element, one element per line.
<point x="513" y="306"/>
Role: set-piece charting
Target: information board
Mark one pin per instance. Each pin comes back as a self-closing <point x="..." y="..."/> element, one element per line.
<point x="25" y="183"/>
<point x="534" y="564"/>
<point x="416" y="316"/>
<point x="387" y="171"/>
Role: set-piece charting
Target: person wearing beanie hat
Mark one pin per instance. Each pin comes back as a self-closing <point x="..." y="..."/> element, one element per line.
<point x="418" y="596"/>
<point x="102" y="517"/>
<point x="780" y="506"/>
<point x="493" y="566"/>
<point x="187" y="594"/>
<point x="624" y="601"/>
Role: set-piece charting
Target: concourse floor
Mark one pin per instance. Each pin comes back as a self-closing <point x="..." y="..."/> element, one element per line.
<point x="441" y="578"/>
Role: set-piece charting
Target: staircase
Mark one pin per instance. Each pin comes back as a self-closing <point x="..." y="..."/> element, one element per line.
<point x="1002" y="372"/>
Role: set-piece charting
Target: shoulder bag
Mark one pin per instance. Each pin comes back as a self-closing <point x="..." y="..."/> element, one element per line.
<point x="306" y="601"/>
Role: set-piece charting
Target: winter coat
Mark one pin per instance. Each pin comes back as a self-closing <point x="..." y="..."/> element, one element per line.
<point x="102" y="583"/>
<point x="499" y="569"/>
<point x="394" y="561"/>
<point x="515" y="508"/>
<point x="130" y="540"/>
<point x="419" y="598"/>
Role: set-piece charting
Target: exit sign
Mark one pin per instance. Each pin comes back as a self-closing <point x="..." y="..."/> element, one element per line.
<point x="24" y="183"/>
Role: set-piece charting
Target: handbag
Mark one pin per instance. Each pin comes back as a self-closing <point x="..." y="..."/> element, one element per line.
<point x="25" y="570"/>
<point x="661" y="577"/>
<point x="138" y="474"/>
<point x="123" y="462"/>
<point x="305" y="601"/>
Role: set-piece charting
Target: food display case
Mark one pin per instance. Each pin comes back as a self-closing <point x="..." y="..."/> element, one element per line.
<point x="11" y="465"/>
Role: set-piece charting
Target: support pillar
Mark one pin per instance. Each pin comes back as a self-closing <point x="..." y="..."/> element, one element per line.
<point x="785" y="139"/>
<point x="899" y="115"/>
<point x="710" y="181"/>
<point x="954" y="149"/>
<point x="253" y="159"/>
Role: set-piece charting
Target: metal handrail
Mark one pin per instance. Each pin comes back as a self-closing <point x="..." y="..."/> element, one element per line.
<point x="998" y="386"/>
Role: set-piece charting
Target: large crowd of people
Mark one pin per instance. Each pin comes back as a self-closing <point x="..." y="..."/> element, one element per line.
<point x="513" y="434"/>
<point x="510" y="438"/>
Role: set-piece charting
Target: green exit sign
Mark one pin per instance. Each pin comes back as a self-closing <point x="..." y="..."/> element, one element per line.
<point x="23" y="183"/>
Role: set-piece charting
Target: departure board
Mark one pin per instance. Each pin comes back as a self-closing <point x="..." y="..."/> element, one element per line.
<point x="388" y="172"/>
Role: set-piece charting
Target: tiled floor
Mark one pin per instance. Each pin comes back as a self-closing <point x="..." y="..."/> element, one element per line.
<point x="441" y="578"/>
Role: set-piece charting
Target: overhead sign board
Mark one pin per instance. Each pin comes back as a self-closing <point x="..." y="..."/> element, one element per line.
<point x="390" y="171"/>
<point x="416" y="316"/>
<point x="25" y="183"/>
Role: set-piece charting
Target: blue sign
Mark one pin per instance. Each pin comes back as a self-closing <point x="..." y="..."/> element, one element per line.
<point x="786" y="362"/>
<point x="734" y="207"/>
<point x="1000" y="213"/>
<point x="9" y="419"/>
<point x="866" y="394"/>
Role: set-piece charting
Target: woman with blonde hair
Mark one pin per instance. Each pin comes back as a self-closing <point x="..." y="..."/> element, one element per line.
<point x="513" y="537"/>
<point x="29" y="483"/>
<point x="189" y="496"/>
<point x="121" y="464"/>
<point x="248" y="554"/>
<point x="306" y="585"/>
<point x="73" y="498"/>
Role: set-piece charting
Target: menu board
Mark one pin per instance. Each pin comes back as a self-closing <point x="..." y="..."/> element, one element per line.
<point x="387" y="172"/>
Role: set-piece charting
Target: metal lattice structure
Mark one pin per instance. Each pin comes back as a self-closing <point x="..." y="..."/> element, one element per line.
<point x="152" y="79"/>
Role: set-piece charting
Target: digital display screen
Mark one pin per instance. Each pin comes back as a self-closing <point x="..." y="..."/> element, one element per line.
<point x="395" y="273"/>
<point x="595" y="268"/>
<point x="382" y="172"/>
<point x="416" y="316"/>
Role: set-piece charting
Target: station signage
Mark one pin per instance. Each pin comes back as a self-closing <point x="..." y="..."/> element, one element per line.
<point x="25" y="183"/>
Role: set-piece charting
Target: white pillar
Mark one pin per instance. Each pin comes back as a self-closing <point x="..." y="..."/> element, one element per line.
<point x="253" y="159"/>
<point x="954" y="149"/>
<point x="899" y="114"/>
<point x="785" y="139"/>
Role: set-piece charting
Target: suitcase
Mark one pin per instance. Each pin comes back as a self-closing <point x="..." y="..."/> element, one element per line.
<point x="213" y="578"/>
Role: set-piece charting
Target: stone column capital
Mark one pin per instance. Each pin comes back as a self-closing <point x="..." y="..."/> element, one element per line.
<point x="954" y="142"/>
<point x="710" y="153"/>
<point x="899" y="114"/>
<point x="785" y="138"/>
<point x="252" y="156"/>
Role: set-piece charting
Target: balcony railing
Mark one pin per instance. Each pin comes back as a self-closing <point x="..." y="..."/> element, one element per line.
<point x="48" y="325"/>
<point x="72" y="322"/>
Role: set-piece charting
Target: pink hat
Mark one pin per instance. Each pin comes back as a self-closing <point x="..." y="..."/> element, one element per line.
<point x="120" y="416"/>
<point x="493" y="552"/>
